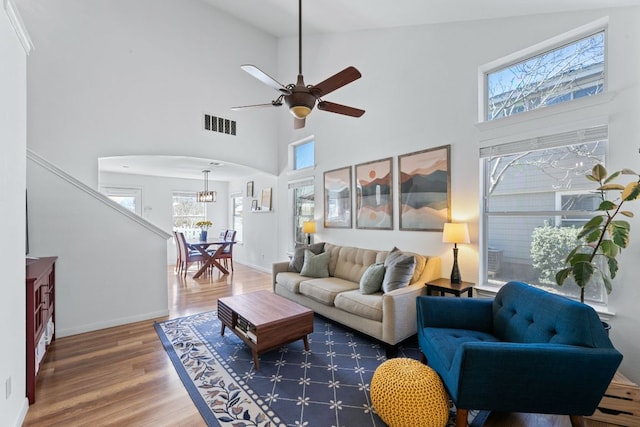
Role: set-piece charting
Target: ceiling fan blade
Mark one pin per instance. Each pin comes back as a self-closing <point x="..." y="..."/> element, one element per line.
<point x="332" y="107"/>
<point x="336" y="81"/>
<point x="265" y="78"/>
<point x="271" y="104"/>
<point x="298" y="123"/>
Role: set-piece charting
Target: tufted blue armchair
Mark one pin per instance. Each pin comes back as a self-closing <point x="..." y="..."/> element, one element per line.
<point x="527" y="350"/>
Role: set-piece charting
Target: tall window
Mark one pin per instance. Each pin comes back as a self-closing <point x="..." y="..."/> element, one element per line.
<point x="237" y="206"/>
<point x="186" y="212"/>
<point x="571" y="71"/>
<point x="303" y="206"/>
<point x="128" y="198"/>
<point x="536" y="198"/>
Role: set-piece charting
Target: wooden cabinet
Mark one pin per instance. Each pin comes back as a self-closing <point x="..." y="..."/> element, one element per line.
<point x="40" y="288"/>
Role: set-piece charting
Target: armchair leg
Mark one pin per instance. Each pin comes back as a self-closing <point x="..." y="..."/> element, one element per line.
<point x="577" y="421"/>
<point x="461" y="417"/>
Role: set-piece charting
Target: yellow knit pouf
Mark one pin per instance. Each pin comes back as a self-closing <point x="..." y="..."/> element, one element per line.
<point x="407" y="393"/>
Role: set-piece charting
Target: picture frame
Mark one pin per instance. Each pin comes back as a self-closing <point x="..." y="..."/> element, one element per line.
<point x="337" y="198"/>
<point x="265" y="199"/>
<point x="374" y="195"/>
<point x="250" y="189"/>
<point x="424" y="189"/>
<point x="254" y="205"/>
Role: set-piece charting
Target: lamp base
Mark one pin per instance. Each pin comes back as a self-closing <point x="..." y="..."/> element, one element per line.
<point x="455" y="272"/>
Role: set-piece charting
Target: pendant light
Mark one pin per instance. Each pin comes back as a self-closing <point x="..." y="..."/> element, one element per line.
<point x="206" y="196"/>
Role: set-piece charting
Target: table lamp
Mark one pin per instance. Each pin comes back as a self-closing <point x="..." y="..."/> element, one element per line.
<point x="455" y="233"/>
<point x="309" y="227"/>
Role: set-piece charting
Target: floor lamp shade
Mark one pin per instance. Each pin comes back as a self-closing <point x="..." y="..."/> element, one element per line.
<point x="455" y="233"/>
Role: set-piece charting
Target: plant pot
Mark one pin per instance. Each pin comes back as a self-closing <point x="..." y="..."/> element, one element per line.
<point x="203" y="236"/>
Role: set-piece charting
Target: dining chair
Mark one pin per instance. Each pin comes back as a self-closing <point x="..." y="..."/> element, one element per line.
<point x="227" y="253"/>
<point x="187" y="256"/>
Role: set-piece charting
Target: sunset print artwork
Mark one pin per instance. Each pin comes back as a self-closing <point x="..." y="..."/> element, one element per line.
<point x="374" y="203"/>
<point x="424" y="183"/>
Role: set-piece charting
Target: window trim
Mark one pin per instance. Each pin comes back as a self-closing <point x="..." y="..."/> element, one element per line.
<point x="121" y="191"/>
<point x="232" y="197"/>
<point x="291" y="158"/>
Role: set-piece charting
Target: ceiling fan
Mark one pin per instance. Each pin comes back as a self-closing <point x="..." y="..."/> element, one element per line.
<point x="301" y="98"/>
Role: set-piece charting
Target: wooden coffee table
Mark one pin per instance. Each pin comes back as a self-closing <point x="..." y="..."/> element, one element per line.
<point x="265" y="321"/>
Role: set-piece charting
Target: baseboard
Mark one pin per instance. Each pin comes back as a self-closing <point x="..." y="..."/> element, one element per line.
<point x="22" y="415"/>
<point x="109" y="323"/>
<point x="257" y="267"/>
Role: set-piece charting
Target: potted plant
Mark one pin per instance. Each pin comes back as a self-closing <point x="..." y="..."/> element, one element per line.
<point x="602" y="238"/>
<point x="204" y="226"/>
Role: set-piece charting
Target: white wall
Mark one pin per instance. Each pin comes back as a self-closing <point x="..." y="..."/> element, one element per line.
<point x="157" y="195"/>
<point x="111" y="78"/>
<point x="419" y="88"/>
<point x="110" y="270"/>
<point x="13" y="87"/>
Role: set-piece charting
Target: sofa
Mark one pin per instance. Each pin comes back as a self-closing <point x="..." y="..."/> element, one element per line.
<point x="388" y="314"/>
<point x="527" y="350"/>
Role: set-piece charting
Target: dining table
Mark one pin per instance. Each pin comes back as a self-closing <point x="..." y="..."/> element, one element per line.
<point x="211" y="257"/>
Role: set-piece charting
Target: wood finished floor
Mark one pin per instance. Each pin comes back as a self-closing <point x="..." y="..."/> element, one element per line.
<point x="122" y="376"/>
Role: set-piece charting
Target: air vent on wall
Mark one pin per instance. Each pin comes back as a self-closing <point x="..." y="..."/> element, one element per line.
<point x="218" y="124"/>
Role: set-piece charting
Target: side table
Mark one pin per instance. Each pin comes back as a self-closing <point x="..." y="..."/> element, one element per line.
<point x="445" y="286"/>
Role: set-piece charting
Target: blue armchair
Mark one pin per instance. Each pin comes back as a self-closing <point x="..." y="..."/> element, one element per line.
<point x="527" y="350"/>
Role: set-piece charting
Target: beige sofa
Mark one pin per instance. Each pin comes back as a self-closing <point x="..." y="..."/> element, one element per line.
<point x="389" y="317"/>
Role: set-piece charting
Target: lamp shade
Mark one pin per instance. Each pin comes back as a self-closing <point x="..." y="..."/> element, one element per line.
<point x="455" y="233"/>
<point x="309" y="227"/>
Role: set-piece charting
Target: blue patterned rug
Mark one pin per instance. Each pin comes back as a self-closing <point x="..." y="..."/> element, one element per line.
<point x="326" y="386"/>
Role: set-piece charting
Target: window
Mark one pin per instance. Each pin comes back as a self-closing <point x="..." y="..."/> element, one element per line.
<point x="535" y="199"/>
<point x="303" y="206"/>
<point x="304" y="155"/>
<point x="128" y="198"/>
<point x="186" y="212"/>
<point x="571" y="71"/>
<point x="237" y="206"/>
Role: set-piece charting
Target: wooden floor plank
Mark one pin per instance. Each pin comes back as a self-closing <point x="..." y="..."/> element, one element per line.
<point x="122" y="376"/>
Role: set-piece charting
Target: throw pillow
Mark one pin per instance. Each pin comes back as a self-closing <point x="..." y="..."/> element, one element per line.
<point x="295" y="265"/>
<point x="315" y="265"/>
<point x="371" y="280"/>
<point x="399" y="269"/>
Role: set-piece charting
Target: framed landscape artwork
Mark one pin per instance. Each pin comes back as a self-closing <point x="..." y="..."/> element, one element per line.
<point x="337" y="198"/>
<point x="425" y="189"/>
<point x="374" y="200"/>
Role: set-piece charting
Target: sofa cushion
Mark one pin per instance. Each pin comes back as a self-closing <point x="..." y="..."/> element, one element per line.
<point x="366" y="306"/>
<point x="297" y="261"/>
<point x="352" y="263"/>
<point x="399" y="268"/>
<point x="315" y="265"/>
<point x="324" y="290"/>
<point x="371" y="280"/>
<point x="290" y="281"/>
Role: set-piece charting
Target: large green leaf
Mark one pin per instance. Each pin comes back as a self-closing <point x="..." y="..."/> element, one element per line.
<point x="608" y="187"/>
<point x="582" y="272"/>
<point x="578" y="258"/>
<point x="607" y="206"/>
<point x="628" y="214"/>
<point x="607" y="283"/>
<point x="612" y="177"/>
<point x="609" y="248"/>
<point x="631" y="191"/>
<point x="620" y="233"/>
<point x="613" y="267"/>
<point x="562" y="275"/>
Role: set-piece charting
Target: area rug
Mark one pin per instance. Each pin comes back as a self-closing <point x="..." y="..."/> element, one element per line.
<point x="325" y="386"/>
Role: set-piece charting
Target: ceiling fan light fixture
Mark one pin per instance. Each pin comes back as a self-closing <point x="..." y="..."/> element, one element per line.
<point x="300" y="111"/>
